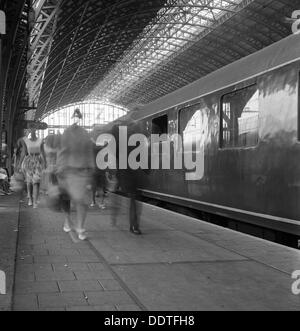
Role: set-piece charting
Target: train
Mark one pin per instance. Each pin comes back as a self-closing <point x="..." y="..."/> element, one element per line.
<point x="245" y="117"/>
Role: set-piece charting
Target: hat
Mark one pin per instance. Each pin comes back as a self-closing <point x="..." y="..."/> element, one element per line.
<point x="77" y="113"/>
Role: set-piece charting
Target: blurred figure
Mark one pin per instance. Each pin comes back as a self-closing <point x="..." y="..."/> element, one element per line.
<point x="4" y="183"/>
<point x="130" y="186"/>
<point x="112" y="186"/>
<point x="51" y="148"/>
<point x="98" y="183"/>
<point x="4" y="156"/>
<point x="112" y="180"/>
<point x="75" y="166"/>
<point x="17" y="182"/>
<point x="4" y="173"/>
<point x="33" y="164"/>
<point x="128" y="180"/>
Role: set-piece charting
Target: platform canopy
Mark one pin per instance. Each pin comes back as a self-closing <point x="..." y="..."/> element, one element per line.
<point x="131" y="52"/>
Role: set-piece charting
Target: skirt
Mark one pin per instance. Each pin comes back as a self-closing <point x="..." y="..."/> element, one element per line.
<point x="32" y="167"/>
<point x="74" y="184"/>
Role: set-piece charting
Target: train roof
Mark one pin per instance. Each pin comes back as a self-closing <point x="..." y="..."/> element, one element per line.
<point x="274" y="56"/>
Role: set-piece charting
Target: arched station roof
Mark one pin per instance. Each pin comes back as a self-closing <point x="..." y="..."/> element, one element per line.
<point x="131" y="52"/>
<point x="89" y="39"/>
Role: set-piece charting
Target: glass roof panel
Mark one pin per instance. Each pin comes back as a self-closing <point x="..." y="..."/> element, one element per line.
<point x="179" y="23"/>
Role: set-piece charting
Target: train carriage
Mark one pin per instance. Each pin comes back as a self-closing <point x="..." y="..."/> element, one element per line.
<point x="246" y="120"/>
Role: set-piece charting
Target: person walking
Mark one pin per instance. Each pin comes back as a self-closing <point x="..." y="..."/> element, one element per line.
<point x="128" y="179"/>
<point x="33" y="163"/>
<point x="75" y="167"/>
<point x="98" y="182"/>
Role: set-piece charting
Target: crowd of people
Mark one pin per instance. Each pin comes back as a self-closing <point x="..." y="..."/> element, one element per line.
<point x="64" y="167"/>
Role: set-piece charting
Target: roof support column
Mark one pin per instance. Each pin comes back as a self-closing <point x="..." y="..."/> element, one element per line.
<point x="2" y="79"/>
<point x="1" y="96"/>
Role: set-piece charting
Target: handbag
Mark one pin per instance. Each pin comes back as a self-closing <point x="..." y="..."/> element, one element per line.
<point x="111" y="182"/>
<point x="54" y="197"/>
<point x="17" y="182"/>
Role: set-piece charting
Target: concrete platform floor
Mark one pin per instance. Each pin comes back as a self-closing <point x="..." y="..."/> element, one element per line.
<point x="179" y="263"/>
<point x="9" y="218"/>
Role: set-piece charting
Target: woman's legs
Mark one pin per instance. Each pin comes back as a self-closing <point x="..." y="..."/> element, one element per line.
<point x="94" y="194"/>
<point x="76" y="184"/>
<point x="134" y="215"/>
<point x="65" y="200"/>
<point x="81" y="213"/>
<point x="115" y="208"/>
<point x="30" y="193"/>
<point x="102" y="205"/>
<point x="66" y="207"/>
<point x="36" y="194"/>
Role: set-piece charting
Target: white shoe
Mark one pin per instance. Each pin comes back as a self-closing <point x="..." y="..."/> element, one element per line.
<point x="67" y="228"/>
<point x="82" y="235"/>
<point x="30" y="203"/>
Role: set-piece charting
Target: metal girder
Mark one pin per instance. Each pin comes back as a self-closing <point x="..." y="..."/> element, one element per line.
<point x="46" y="13"/>
<point x="130" y="51"/>
<point x="37" y="5"/>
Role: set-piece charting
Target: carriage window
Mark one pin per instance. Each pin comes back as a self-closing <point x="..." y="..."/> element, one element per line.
<point x="160" y="125"/>
<point x="240" y="115"/>
<point x="192" y="123"/>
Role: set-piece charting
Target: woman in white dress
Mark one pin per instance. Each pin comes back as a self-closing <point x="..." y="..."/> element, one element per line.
<point x="33" y="164"/>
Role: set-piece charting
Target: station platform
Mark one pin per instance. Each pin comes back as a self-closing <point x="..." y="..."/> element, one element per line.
<point x="178" y="264"/>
